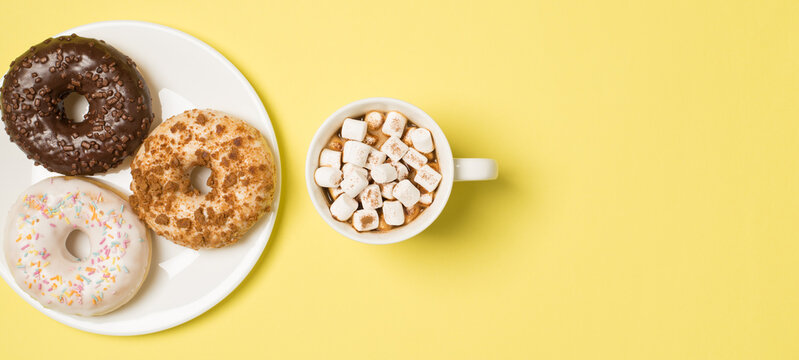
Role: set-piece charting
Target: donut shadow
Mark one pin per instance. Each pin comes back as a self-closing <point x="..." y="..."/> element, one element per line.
<point x="155" y="100"/>
<point x="123" y="166"/>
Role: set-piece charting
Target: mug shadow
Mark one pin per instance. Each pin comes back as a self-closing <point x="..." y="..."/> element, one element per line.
<point x="463" y="211"/>
<point x="466" y="229"/>
<point x="466" y="237"/>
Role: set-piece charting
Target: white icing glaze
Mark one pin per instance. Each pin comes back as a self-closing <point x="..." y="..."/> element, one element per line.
<point x="36" y="253"/>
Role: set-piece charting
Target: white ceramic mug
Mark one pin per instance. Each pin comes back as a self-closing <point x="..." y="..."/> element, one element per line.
<point x="451" y="169"/>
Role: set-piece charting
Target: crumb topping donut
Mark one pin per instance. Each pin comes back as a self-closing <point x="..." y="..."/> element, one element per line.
<point x="32" y="104"/>
<point x="242" y="179"/>
<point x="35" y="246"/>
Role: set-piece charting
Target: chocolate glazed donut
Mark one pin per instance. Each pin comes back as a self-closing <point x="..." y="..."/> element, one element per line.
<point x="32" y="103"/>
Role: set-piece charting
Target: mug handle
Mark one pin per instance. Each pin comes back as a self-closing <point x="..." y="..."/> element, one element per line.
<point x="472" y="169"/>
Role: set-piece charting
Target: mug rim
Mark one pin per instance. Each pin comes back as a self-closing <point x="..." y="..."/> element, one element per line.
<point x="443" y="153"/>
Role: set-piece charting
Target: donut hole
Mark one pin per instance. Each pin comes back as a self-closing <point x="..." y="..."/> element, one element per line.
<point x="199" y="179"/>
<point x="78" y="244"/>
<point x="76" y="106"/>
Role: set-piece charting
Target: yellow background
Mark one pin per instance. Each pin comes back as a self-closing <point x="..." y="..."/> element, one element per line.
<point x="646" y="207"/>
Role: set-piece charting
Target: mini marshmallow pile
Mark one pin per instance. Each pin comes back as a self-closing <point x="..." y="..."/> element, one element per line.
<point x="372" y="178"/>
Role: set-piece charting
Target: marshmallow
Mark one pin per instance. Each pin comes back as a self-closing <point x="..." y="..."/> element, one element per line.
<point x="335" y="192"/>
<point x="422" y="140"/>
<point x="371" y="198"/>
<point x="373" y="120"/>
<point x="349" y="168"/>
<point x="414" y="159"/>
<point x="426" y="198"/>
<point x="393" y="147"/>
<point x="343" y="207"/>
<point x="427" y="178"/>
<point x="395" y="124"/>
<point x="353" y="129"/>
<point x="407" y="137"/>
<point x="406" y="193"/>
<point x="393" y="213"/>
<point x="327" y="176"/>
<point x="356" y="152"/>
<point x="384" y="173"/>
<point x="376" y="157"/>
<point x="353" y="184"/>
<point x="365" y="220"/>
<point x="402" y="170"/>
<point x="370" y="140"/>
<point x="386" y="190"/>
<point x="336" y="144"/>
<point x="330" y="158"/>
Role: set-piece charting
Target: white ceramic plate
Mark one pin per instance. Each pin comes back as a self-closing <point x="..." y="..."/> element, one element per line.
<point x="181" y="72"/>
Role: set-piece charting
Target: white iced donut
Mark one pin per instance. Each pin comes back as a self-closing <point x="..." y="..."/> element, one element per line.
<point x="35" y="246"/>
